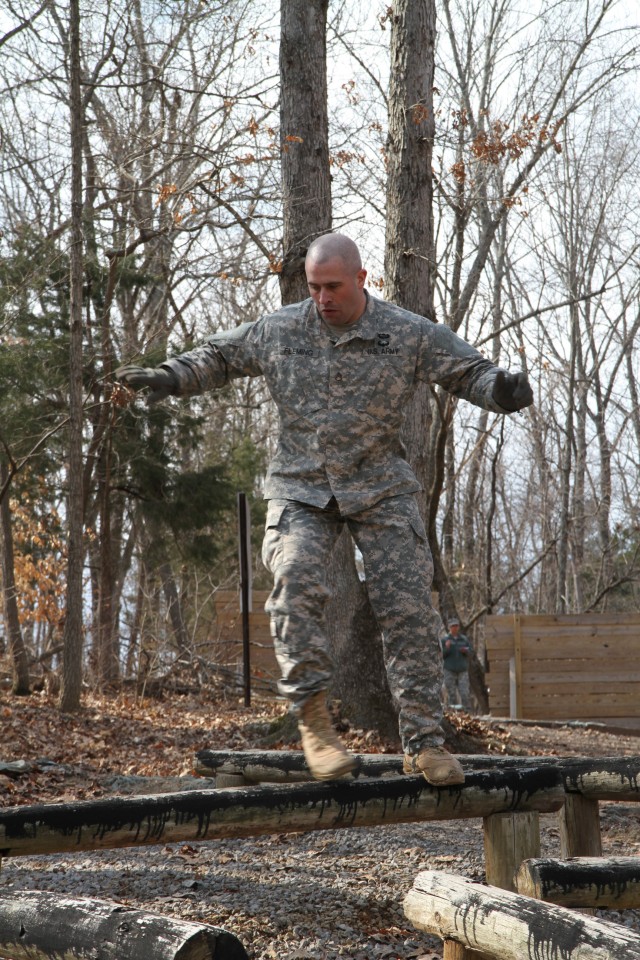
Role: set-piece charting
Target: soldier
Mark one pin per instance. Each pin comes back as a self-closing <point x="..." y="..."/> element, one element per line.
<point x="341" y="367"/>
<point x="456" y="651"/>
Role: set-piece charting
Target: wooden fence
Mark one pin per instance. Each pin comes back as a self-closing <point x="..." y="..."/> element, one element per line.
<point x="227" y="649"/>
<point x="565" y="667"/>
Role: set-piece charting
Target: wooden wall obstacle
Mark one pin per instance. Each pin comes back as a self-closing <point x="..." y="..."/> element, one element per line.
<point x="226" y="649"/>
<point x="564" y="667"/>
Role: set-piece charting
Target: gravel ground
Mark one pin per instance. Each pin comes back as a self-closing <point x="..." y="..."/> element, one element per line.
<point x="313" y="896"/>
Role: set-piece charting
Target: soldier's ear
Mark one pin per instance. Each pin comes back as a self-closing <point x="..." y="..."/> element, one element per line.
<point x="361" y="276"/>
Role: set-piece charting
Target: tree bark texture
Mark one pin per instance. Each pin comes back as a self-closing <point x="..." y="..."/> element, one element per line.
<point x="38" y="926"/>
<point x="409" y="254"/>
<point x="509" y="926"/>
<point x="352" y="630"/>
<point x="306" y="180"/>
<point x="73" y="637"/>
<point x="360" y="679"/>
<point x="17" y="649"/>
<point x="409" y="257"/>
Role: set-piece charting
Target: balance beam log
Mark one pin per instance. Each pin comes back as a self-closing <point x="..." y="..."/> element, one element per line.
<point x="600" y="778"/>
<point x="612" y="882"/>
<point x="285" y="766"/>
<point x="215" y="814"/>
<point x="39" y="926"/>
<point x="509" y="926"/>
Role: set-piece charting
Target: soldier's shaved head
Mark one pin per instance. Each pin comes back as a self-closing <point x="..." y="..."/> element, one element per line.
<point x="335" y="278"/>
<point x="335" y="246"/>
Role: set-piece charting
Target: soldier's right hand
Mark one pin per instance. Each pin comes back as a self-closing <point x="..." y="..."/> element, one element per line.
<point x="160" y="382"/>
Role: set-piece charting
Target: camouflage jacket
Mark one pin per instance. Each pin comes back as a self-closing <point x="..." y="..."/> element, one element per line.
<point x="341" y="402"/>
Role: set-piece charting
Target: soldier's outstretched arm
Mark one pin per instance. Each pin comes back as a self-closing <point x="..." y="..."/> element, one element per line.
<point x="512" y="391"/>
<point x="222" y="358"/>
<point x="160" y="382"/>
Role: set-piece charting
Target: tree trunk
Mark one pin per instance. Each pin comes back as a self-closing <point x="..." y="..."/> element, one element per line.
<point x="306" y="192"/>
<point x="360" y="681"/>
<point x="409" y="256"/>
<point x="306" y="181"/>
<point x="73" y="627"/>
<point x="17" y="649"/>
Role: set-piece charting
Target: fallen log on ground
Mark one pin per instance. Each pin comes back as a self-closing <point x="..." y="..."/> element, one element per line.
<point x="216" y="814"/>
<point x="39" y="926"/>
<point x="509" y="926"/>
<point x="607" y="882"/>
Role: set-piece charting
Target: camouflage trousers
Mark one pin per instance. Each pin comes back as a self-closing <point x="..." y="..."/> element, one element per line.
<point x="458" y="688"/>
<point x="297" y="548"/>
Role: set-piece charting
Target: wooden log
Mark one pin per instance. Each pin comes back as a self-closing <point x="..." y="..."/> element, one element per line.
<point x="214" y="814"/>
<point x="285" y="766"/>
<point x="509" y="926"/>
<point x="601" y="778"/>
<point x="39" y="926"/>
<point x="579" y="823"/>
<point x="607" y="882"/>
<point x="509" y="838"/>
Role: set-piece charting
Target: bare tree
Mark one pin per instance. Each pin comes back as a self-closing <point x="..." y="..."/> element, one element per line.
<point x="17" y="648"/>
<point x="304" y="138"/>
<point x="73" y="639"/>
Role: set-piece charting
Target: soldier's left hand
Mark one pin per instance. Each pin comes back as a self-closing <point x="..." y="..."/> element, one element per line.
<point x="512" y="391"/>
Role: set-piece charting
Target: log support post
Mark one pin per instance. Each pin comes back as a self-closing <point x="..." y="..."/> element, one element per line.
<point x="452" y="950"/>
<point x="509" y="838"/>
<point x="579" y="822"/>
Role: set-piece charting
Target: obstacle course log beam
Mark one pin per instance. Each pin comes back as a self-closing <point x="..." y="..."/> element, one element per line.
<point x="215" y="814"/>
<point x="509" y="926"/>
<point x="284" y="766"/>
<point x="612" y="882"/>
<point x="599" y="778"/>
<point x="39" y="926"/>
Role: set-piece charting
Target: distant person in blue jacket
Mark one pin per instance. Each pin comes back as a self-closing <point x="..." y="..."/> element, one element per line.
<point x="456" y="651"/>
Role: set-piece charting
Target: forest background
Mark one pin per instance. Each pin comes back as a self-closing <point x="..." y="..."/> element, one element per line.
<point x="144" y="204"/>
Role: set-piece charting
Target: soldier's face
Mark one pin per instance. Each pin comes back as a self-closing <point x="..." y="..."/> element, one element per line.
<point x="337" y="291"/>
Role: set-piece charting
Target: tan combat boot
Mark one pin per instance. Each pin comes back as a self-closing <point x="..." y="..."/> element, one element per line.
<point x="325" y="755"/>
<point x="437" y="766"/>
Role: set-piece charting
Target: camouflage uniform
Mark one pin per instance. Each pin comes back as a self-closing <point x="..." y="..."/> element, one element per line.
<point x="456" y="669"/>
<point x="339" y="459"/>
